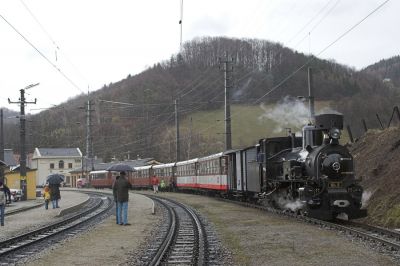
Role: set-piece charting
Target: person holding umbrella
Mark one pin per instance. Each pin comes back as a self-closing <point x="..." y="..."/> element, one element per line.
<point x="55" y="195"/>
<point x="54" y="181"/>
<point x="122" y="187"/>
<point x="117" y="213"/>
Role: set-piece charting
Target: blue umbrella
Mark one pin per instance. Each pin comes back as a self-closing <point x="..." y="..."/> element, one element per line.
<point x="55" y="179"/>
<point x="120" y="167"/>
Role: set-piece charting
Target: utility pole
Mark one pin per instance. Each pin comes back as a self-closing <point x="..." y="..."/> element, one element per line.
<point x="177" y="131"/>
<point x="190" y="137"/>
<point x="311" y="95"/>
<point x="89" y="140"/>
<point x="228" y="69"/>
<point x="22" y="161"/>
<point x="181" y="23"/>
<point x="1" y="144"/>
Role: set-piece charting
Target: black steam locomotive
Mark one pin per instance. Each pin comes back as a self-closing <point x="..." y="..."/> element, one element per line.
<point x="312" y="174"/>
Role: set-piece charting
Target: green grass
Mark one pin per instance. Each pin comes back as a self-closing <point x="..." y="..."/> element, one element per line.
<point x="247" y="125"/>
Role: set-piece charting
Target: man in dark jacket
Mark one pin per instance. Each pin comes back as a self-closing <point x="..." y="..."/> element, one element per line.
<point x="117" y="214"/>
<point x="122" y="187"/>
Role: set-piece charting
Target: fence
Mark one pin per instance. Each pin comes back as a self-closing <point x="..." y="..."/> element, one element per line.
<point x="364" y="123"/>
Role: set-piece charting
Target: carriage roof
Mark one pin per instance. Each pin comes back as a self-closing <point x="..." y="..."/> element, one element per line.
<point x="164" y="165"/>
<point x="187" y="162"/>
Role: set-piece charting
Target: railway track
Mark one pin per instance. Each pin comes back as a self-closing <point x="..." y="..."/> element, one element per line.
<point x="387" y="238"/>
<point x="181" y="240"/>
<point x="23" y="245"/>
<point x="20" y="210"/>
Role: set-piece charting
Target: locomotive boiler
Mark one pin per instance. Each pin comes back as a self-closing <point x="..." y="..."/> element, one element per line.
<point x="316" y="177"/>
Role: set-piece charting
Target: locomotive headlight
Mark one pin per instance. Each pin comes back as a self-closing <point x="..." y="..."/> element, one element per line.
<point x="334" y="133"/>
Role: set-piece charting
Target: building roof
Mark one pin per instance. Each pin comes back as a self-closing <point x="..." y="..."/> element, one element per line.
<point x="57" y="152"/>
<point x="9" y="157"/>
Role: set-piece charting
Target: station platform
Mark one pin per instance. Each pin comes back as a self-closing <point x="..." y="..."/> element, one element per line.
<point x="94" y="245"/>
<point x="35" y="213"/>
<point x="14" y="207"/>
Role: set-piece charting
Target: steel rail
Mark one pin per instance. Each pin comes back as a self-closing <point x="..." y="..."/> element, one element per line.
<point x="18" y="242"/>
<point x="166" y="243"/>
<point x="178" y="226"/>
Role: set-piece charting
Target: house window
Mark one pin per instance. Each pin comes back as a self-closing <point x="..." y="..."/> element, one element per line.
<point x="61" y="164"/>
<point x="69" y="165"/>
<point x="52" y="166"/>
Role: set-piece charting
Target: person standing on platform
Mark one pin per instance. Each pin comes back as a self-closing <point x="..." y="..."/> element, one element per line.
<point x="46" y="196"/>
<point x="154" y="182"/>
<point x="2" y="203"/>
<point x="122" y="187"/>
<point x="162" y="185"/>
<point x="117" y="213"/>
<point x="55" y="195"/>
<point x="8" y="193"/>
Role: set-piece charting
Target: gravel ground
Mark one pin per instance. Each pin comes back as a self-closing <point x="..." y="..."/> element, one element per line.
<point x="258" y="238"/>
<point x="250" y="236"/>
<point x="107" y="243"/>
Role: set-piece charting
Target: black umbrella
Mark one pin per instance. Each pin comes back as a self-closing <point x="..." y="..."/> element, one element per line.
<point x="55" y="179"/>
<point x="120" y="167"/>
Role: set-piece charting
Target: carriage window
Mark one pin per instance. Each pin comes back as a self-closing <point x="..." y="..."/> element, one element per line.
<point x="223" y="166"/>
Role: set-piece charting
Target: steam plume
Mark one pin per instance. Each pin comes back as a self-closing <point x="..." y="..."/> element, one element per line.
<point x="289" y="112"/>
<point x="365" y="198"/>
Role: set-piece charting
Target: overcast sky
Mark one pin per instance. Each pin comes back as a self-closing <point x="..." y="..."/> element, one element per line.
<point x="95" y="42"/>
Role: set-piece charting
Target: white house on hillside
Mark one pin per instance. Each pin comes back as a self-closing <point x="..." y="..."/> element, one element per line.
<point x="55" y="160"/>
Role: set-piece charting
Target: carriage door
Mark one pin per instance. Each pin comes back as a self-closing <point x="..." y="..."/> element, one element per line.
<point x="232" y="171"/>
<point x="239" y="183"/>
<point x="252" y="171"/>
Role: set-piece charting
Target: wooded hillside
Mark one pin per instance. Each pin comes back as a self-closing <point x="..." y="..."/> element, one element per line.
<point x="144" y="125"/>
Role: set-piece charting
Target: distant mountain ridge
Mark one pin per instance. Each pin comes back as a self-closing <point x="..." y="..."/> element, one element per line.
<point x="144" y="126"/>
<point x="388" y="70"/>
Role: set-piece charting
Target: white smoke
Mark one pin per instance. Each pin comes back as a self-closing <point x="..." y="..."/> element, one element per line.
<point x="342" y="216"/>
<point x="365" y="198"/>
<point x="287" y="113"/>
<point x="293" y="205"/>
<point x="239" y="91"/>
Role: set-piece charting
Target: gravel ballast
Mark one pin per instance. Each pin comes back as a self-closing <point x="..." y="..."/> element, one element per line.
<point x="250" y="237"/>
<point x="259" y="238"/>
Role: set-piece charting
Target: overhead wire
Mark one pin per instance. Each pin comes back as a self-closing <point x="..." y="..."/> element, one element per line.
<point x="42" y="55"/>
<point x="317" y="24"/>
<point x="297" y="70"/>
<point x="301" y="67"/>
<point x="309" y="22"/>
<point x="323" y="50"/>
<point x="53" y="41"/>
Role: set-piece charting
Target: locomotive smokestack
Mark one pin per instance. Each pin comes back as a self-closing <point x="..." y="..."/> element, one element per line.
<point x="311" y="95"/>
<point x="293" y="136"/>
